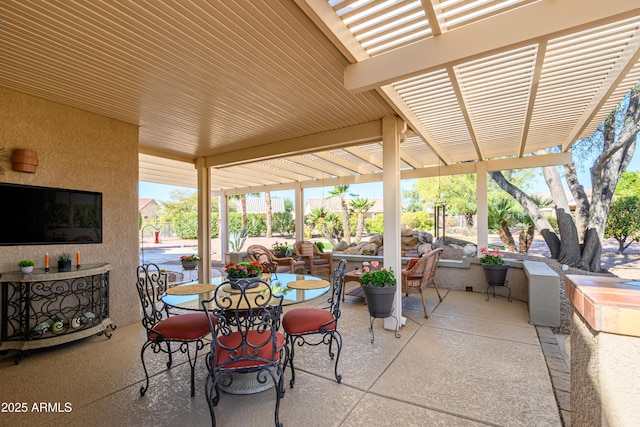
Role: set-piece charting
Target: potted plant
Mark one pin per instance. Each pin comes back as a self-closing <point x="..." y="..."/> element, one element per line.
<point x="189" y="262"/>
<point x="64" y="262"/>
<point x="249" y="272"/>
<point x="279" y="249"/>
<point x="379" y="289"/>
<point x="26" y="266"/>
<point x="495" y="270"/>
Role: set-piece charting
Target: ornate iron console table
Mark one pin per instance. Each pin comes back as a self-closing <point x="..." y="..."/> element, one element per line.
<point x="44" y="309"/>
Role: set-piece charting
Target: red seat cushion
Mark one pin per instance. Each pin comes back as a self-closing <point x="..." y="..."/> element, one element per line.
<point x="263" y="349"/>
<point x="410" y="264"/>
<point x="304" y="320"/>
<point x="183" y="327"/>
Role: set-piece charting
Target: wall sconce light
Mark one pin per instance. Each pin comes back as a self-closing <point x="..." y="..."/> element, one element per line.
<point x="24" y="160"/>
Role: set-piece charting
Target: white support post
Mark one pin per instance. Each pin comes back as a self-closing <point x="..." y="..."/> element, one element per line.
<point x="223" y="211"/>
<point x="204" y="221"/>
<point x="392" y="128"/>
<point x="482" y="214"/>
<point x="299" y="211"/>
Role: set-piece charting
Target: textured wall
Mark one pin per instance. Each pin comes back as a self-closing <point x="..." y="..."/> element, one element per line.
<point x="81" y="151"/>
<point x="605" y="377"/>
<point x="585" y="390"/>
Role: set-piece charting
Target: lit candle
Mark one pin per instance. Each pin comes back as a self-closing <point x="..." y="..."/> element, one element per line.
<point x="78" y="258"/>
<point x="46" y="261"/>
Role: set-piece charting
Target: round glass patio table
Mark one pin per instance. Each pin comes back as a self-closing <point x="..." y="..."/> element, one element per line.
<point x="246" y="383"/>
<point x="178" y="298"/>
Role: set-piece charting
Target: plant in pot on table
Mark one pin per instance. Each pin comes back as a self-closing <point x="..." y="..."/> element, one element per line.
<point x="495" y="270"/>
<point x="64" y="262"/>
<point x="189" y="262"/>
<point x="379" y="289"/>
<point x="26" y="266"/>
<point x="244" y="272"/>
<point x="279" y="249"/>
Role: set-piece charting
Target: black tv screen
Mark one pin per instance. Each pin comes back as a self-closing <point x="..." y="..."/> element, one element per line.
<point x="45" y="216"/>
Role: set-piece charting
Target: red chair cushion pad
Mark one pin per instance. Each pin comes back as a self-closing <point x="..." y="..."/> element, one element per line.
<point x="262" y="349"/>
<point x="305" y="320"/>
<point x="181" y="327"/>
<point x="410" y="264"/>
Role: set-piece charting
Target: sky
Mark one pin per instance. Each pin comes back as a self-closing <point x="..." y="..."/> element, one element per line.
<point x="162" y="193"/>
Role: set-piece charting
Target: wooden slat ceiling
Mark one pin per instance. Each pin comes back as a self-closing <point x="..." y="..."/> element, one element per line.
<point x="261" y="89"/>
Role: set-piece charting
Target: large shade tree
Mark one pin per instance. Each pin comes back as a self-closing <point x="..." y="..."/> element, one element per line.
<point x="623" y="222"/>
<point x="579" y="242"/>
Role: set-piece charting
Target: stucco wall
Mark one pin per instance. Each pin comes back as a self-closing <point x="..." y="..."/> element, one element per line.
<point x="605" y="376"/>
<point x="82" y="151"/>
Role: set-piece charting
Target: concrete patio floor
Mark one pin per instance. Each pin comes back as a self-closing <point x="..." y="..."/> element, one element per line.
<point x="473" y="362"/>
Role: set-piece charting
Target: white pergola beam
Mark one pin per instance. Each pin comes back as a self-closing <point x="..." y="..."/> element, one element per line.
<point x="532" y="23"/>
<point x="536" y="161"/>
<point x="358" y="134"/>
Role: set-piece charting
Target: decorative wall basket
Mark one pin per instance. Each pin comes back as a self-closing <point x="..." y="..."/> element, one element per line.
<point x="24" y="160"/>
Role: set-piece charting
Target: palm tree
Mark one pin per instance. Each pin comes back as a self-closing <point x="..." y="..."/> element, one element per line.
<point x="326" y="223"/>
<point x="341" y="192"/>
<point x="269" y="220"/>
<point x="500" y="218"/>
<point x="243" y="204"/>
<point x="527" y="225"/>
<point x="361" y="207"/>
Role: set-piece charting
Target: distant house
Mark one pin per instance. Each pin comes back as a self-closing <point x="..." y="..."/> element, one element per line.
<point x="148" y="208"/>
<point x="551" y="211"/>
<point x="258" y="206"/>
<point x="333" y="206"/>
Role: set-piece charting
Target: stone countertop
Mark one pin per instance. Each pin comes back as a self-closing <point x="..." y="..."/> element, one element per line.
<point x="608" y="304"/>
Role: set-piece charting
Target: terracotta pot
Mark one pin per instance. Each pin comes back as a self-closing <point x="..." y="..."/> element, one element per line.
<point x="24" y="160"/>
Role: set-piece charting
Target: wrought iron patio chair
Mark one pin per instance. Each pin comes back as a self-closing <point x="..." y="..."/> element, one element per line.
<point x="244" y="327"/>
<point x="163" y="329"/>
<point x="314" y="326"/>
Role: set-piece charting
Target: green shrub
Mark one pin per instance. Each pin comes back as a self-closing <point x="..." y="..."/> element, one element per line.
<point x="185" y="225"/>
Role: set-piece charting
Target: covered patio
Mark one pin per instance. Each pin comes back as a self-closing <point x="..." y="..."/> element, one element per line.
<point x="473" y="362"/>
<point x="257" y="96"/>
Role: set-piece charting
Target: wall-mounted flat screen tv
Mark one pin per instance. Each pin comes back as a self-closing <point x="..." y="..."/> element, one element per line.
<point x="45" y="216"/>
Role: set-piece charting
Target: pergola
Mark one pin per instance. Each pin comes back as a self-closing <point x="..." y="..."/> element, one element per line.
<point x="254" y="96"/>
